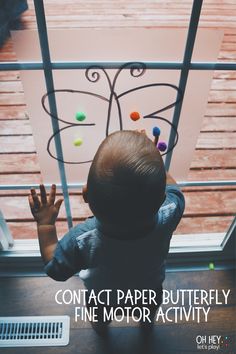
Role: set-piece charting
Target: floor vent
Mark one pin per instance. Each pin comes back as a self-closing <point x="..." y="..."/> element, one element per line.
<point x="35" y="331"/>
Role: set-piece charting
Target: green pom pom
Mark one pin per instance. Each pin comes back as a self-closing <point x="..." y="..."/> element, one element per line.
<point x="211" y="266"/>
<point x="80" y="116"/>
<point x="78" y="142"/>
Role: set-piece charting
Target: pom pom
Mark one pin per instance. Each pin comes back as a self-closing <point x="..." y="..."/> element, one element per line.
<point x="80" y="116"/>
<point x="211" y="266"/>
<point x="78" y="142"/>
<point x="134" y="116"/>
<point x="156" y="131"/>
<point x="162" y="146"/>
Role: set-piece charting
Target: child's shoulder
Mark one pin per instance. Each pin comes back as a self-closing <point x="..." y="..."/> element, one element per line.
<point x="88" y="225"/>
<point x="84" y="232"/>
<point x="172" y="209"/>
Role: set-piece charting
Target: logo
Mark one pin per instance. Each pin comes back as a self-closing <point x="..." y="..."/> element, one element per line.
<point x="213" y="342"/>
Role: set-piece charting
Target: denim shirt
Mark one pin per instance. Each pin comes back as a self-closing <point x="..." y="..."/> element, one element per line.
<point x="108" y="263"/>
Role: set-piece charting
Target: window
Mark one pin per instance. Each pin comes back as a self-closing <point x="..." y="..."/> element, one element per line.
<point x="202" y="244"/>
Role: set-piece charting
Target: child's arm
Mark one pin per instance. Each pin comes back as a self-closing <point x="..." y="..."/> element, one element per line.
<point x="45" y="211"/>
<point x="169" y="178"/>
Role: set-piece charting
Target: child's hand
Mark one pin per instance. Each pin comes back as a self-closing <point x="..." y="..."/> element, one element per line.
<point x="143" y="131"/>
<point x="44" y="209"/>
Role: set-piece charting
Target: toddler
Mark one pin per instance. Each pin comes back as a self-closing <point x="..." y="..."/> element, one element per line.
<point x="136" y="208"/>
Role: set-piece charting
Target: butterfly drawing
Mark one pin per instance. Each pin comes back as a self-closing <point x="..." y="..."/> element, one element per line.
<point x="113" y="101"/>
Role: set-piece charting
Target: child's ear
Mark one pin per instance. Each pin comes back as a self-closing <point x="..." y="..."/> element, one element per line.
<point x="85" y="193"/>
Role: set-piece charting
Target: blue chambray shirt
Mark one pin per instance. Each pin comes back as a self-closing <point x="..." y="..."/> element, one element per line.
<point x="108" y="263"/>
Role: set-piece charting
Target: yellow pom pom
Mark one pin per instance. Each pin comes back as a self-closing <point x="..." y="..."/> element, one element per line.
<point x="78" y="142"/>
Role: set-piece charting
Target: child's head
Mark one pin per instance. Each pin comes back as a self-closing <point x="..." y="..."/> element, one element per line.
<point x="126" y="181"/>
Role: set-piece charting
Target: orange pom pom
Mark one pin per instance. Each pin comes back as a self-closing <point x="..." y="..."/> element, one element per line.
<point x="134" y="116"/>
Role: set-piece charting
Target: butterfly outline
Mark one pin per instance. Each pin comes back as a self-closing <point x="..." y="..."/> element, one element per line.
<point x="137" y="69"/>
